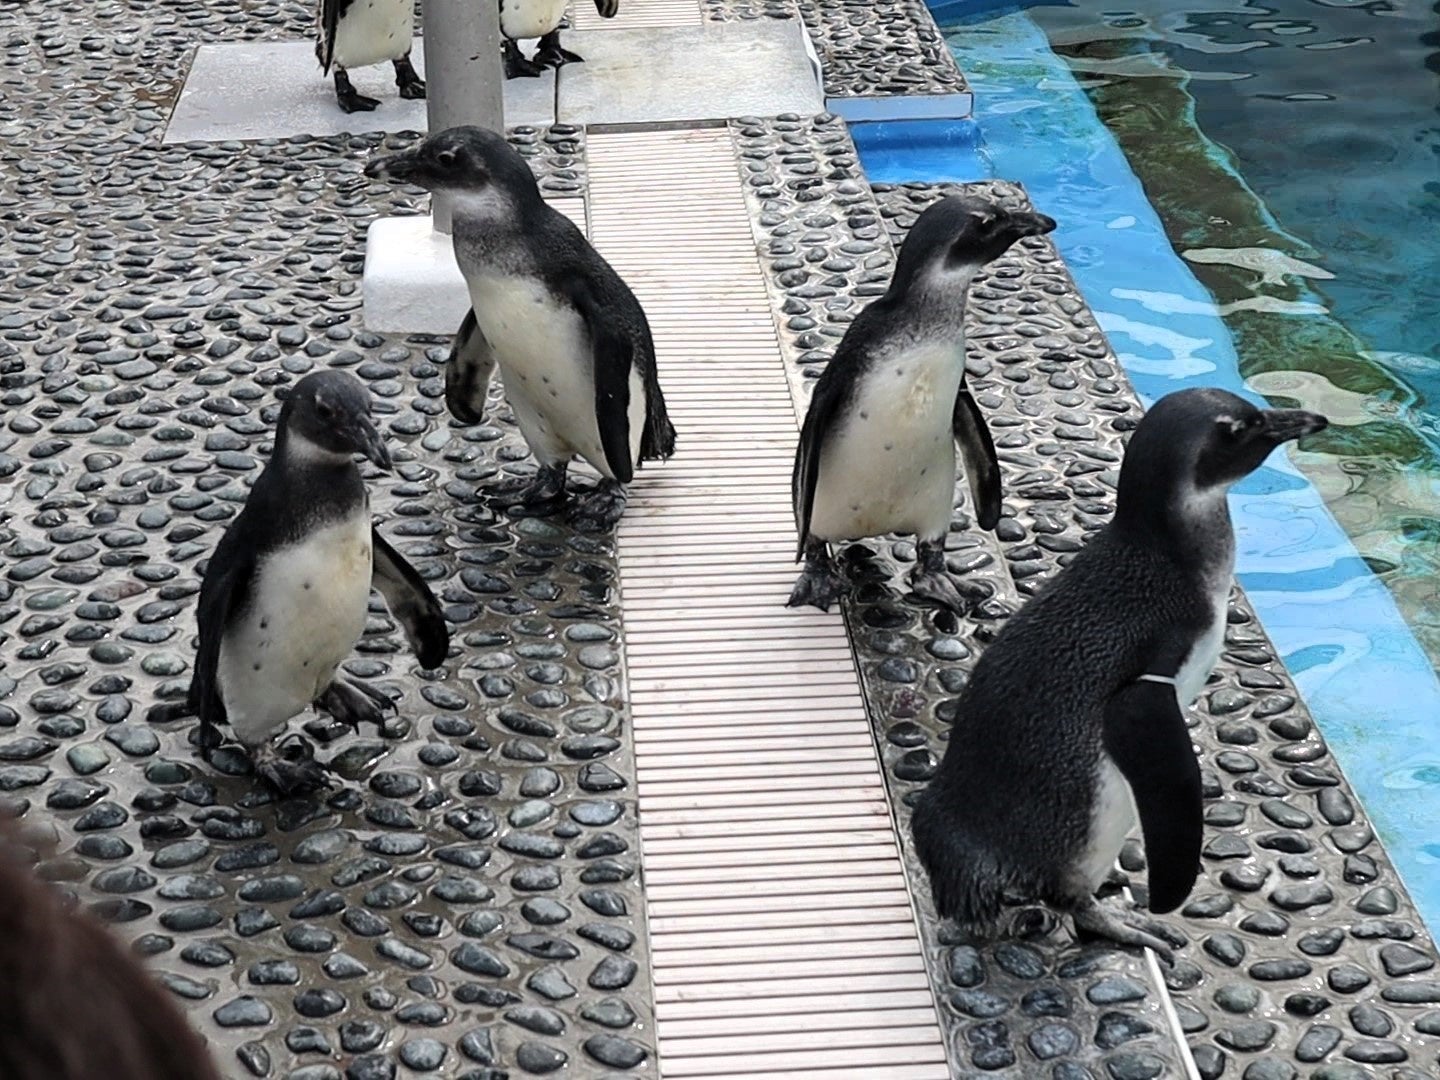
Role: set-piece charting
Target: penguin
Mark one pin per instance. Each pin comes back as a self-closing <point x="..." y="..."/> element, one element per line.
<point x="356" y="33"/>
<point x="569" y="338"/>
<point x="284" y="596"/>
<point x="127" y="1026"/>
<point x="877" y="449"/>
<point x="1072" y="723"/>
<point x="539" y="19"/>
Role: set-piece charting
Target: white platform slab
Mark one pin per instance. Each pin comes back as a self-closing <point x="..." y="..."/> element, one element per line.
<point x="689" y="73"/>
<point x="275" y="89"/>
<point x="411" y="284"/>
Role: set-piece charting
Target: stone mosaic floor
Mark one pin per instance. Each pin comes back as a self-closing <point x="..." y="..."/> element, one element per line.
<point x="468" y="903"/>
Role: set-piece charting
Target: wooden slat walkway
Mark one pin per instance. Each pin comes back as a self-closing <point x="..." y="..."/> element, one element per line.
<point x="637" y="15"/>
<point x="783" y="938"/>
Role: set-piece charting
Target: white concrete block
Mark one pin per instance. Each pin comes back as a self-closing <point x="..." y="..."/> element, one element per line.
<point x="275" y="89"/>
<point x="411" y="283"/>
<point x="689" y="73"/>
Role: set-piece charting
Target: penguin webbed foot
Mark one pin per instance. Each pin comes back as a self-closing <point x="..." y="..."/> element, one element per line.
<point x="600" y="509"/>
<point x="408" y="79"/>
<point x="290" y="767"/>
<point x="349" y="98"/>
<point x="516" y="66"/>
<point x="930" y="580"/>
<point x="551" y="54"/>
<point x="543" y="493"/>
<point x="818" y="584"/>
<point x="1124" y="928"/>
<point x="1031" y="923"/>
<point x="353" y="703"/>
<point x="936" y="587"/>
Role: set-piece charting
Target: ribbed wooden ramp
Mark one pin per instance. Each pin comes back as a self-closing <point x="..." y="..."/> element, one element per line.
<point x="637" y="15"/>
<point x="784" y="942"/>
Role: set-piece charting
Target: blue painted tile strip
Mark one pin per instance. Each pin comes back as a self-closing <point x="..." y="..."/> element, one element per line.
<point x="1362" y="673"/>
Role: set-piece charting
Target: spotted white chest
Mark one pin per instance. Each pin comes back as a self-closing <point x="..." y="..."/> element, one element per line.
<point x="530" y="18"/>
<point x="1200" y="662"/>
<point x="888" y="464"/>
<point x="306" y="612"/>
<point x="371" y="31"/>
<point x="544" y="356"/>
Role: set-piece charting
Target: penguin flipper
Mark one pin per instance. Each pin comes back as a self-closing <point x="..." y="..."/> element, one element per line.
<point x="824" y="402"/>
<point x="330" y="13"/>
<point x="468" y="372"/>
<point x="657" y="441"/>
<point x="224" y="592"/>
<point x="982" y="467"/>
<point x="613" y="356"/>
<point x="1145" y="735"/>
<point x="410" y="600"/>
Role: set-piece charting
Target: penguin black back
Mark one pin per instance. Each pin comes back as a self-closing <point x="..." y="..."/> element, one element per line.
<point x="877" y="449"/>
<point x="503" y="225"/>
<point x="1100" y="665"/>
<point x="310" y="479"/>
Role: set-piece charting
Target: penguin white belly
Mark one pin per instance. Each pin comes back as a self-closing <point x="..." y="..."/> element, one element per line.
<point x="307" y="611"/>
<point x="373" y="30"/>
<point x="530" y="18"/>
<point x="1205" y="653"/>
<point x="888" y="465"/>
<point x="1112" y="817"/>
<point x="543" y="353"/>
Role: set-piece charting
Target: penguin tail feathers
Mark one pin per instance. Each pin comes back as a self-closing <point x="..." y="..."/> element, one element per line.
<point x="657" y="441"/>
<point x="967" y="882"/>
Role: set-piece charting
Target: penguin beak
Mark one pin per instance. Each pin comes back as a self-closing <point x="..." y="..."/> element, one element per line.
<point x="1282" y="425"/>
<point x="392" y="167"/>
<point x="371" y="443"/>
<point x="1032" y="223"/>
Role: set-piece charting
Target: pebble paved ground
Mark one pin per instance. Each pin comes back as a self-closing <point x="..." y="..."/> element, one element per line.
<point x="468" y="903"/>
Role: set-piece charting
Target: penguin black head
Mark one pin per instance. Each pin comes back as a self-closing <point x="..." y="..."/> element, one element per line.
<point x="962" y="233"/>
<point x="327" y="414"/>
<point x="1195" y="443"/>
<point x="470" y="163"/>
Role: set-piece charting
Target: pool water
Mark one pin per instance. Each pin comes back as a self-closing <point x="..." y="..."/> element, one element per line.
<point x="1292" y="151"/>
<point x="1310" y="282"/>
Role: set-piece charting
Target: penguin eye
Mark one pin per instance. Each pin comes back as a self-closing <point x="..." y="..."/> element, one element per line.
<point x="324" y="411"/>
<point x="446" y="157"/>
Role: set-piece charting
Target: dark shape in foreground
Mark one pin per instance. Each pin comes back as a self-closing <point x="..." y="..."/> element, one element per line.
<point x="1074" y="718"/>
<point x="877" y="451"/>
<point x="77" y="1005"/>
<point x="570" y="339"/>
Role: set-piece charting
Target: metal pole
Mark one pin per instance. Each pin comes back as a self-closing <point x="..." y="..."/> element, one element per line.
<point x="464" y="83"/>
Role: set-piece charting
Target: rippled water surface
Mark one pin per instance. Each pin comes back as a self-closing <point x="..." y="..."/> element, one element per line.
<point x="1292" y="150"/>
